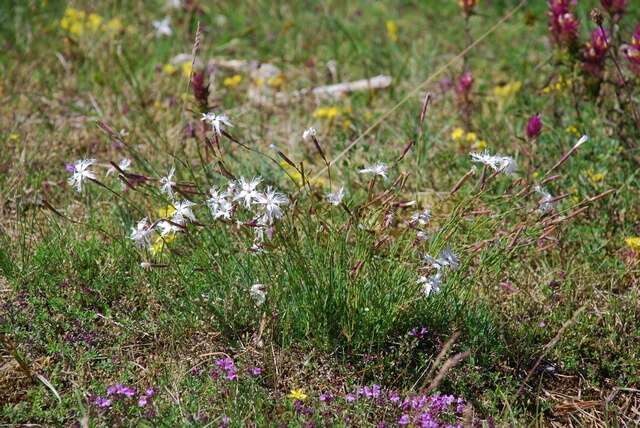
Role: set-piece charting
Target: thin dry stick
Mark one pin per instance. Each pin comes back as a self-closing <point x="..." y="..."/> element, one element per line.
<point x="418" y="88"/>
<point x="448" y="365"/>
<point x="551" y="344"/>
<point x="443" y="352"/>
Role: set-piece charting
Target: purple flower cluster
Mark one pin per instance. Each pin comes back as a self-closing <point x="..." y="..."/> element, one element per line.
<point x="419" y="410"/>
<point x="595" y="52"/>
<point x="632" y="51"/>
<point x="120" y="392"/>
<point x="424" y="411"/>
<point x="534" y="127"/>
<point x="419" y="333"/>
<point x="228" y="367"/>
<point x="563" y="24"/>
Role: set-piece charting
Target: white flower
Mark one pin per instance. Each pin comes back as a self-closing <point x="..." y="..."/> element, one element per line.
<point x="183" y="212"/>
<point x="167" y="184"/>
<point x="497" y="163"/>
<point x="217" y="121"/>
<point x="174" y="4"/>
<point x="546" y="203"/>
<point x="336" y="197"/>
<point x="376" y="169"/>
<point x="309" y="133"/>
<point x="422" y="218"/>
<point x="223" y="209"/>
<point x="141" y="232"/>
<point x="446" y="258"/>
<point x="272" y="201"/>
<point x="247" y="193"/>
<point x="421" y="236"/>
<point x="581" y="141"/>
<point x="81" y="172"/>
<point x="123" y="165"/>
<point x="258" y="294"/>
<point x="430" y="284"/>
<point x="163" y="28"/>
<point x="166" y="228"/>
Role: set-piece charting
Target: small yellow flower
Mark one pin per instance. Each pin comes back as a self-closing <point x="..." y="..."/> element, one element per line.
<point x="114" y="25"/>
<point x="633" y="242"/>
<point x="95" y="21"/>
<point x="186" y="69"/>
<point x="76" y="28"/>
<point x="328" y="113"/>
<point x="457" y="134"/>
<point x="258" y="81"/>
<point x="595" y="177"/>
<point x="166" y="212"/>
<point x="471" y="137"/>
<point x="233" y="81"/>
<point x="503" y="92"/>
<point x="392" y="30"/>
<point x="14" y="137"/>
<point x="573" y="130"/>
<point x="297" y="394"/>
<point x="479" y="145"/>
<point x="169" y="69"/>
<point x="276" y="81"/>
<point x="346" y="124"/>
<point x="160" y="241"/>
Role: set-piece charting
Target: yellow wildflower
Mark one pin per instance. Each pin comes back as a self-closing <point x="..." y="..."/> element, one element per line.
<point x="258" y="81"/>
<point x="160" y="241"/>
<point x="503" y="92"/>
<point x="595" y="177"/>
<point x="480" y="145"/>
<point x="114" y="25"/>
<point x="14" y="137"/>
<point x="328" y="113"/>
<point x="392" y="30"/>
<point x="76" y="28"/>
<point x="297" y="394"/>
<point x="633" y="242"/>
<point x="169" y="69"/>
<point x="233" y="81"/>
<point x="573" y="130"/>
<point x="166" y="212"/>
<point x="346" y="124"/>
<point x="471" y="137"/>
<point x="276" y="81"/>
<point x="186" y="69"/>
<point x="95" y="21"/>
<point x="457" y="134"/>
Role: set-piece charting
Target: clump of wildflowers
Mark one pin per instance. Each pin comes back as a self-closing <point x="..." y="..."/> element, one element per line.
<point x="563" y="24"/>
<point x="595" y="52"/>
<point x="632" y="51"/>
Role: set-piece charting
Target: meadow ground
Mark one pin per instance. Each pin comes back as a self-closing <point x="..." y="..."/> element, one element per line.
<point x="376" y="274"/>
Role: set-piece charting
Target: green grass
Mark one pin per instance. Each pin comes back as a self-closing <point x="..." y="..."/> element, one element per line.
<point x="341" y="292"/>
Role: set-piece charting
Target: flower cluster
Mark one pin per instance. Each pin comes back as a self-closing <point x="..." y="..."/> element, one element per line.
<point x="595" y="52"/>
<point x="78" y="22"/>
<point x="534" y="127"/>
<point x="227" y="366"/>
<point x="125" y="394"/>
<point x="497" y="163"/>
<point x="563" y="24"/>
<point x="446" y="260"/>
<point x="632" y="51"/>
